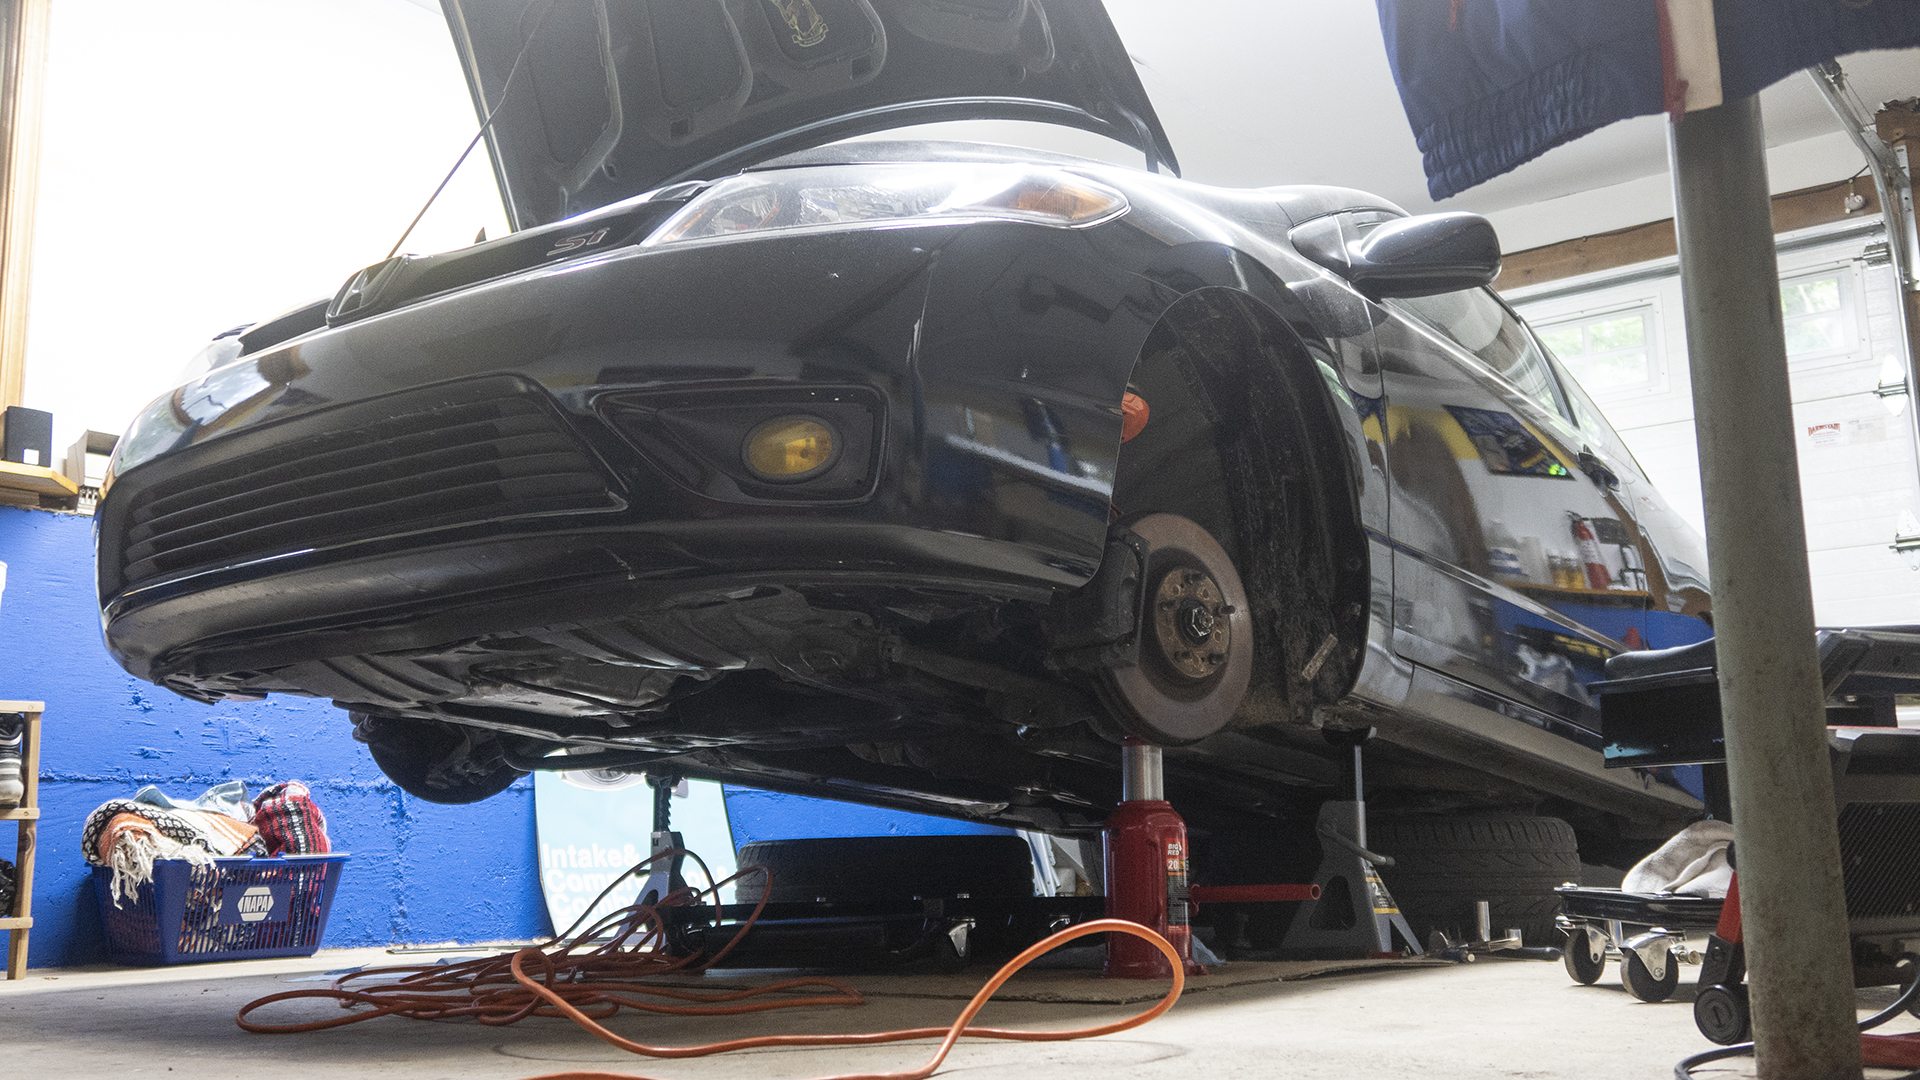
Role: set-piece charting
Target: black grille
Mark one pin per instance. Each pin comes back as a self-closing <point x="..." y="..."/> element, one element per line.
<point x="398" y="465"/>
<point x="1880" y="859"/>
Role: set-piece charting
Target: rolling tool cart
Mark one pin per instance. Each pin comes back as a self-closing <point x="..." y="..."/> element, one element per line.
<point x="1662" y="708"/>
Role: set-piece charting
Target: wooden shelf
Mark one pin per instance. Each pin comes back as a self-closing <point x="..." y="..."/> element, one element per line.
<point x="26" y="819"/>
<point x="1585" y="594"/>
<point x="36" y="479"/>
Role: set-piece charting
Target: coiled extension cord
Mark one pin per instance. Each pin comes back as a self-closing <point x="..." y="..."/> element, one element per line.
<point x="589" y="985"/>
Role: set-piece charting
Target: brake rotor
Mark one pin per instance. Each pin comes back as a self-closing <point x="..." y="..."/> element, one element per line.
<point x="1195" y="638"/>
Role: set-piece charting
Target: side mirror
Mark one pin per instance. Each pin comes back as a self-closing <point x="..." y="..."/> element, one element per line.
<point x="1416" y="256"/>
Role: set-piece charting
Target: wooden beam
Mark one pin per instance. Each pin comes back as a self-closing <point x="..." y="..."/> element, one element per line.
<point x="1898" y="122"/>
<point x="23" y="65"/>
<point x="1654" y="240"/>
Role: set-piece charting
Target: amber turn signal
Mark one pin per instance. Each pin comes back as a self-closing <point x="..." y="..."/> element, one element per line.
<point x="790" y="448"/>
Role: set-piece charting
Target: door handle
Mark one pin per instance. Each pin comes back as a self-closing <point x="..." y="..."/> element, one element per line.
<point x="1597" y="471"/>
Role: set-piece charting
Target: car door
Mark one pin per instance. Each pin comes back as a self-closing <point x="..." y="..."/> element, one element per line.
<point x="1517" y="565"/>
<point x="1673" y="555"/>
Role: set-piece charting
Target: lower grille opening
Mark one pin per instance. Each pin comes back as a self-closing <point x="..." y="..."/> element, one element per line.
<point x="475" y="452"/>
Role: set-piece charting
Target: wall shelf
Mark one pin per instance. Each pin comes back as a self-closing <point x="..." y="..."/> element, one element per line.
<point x="36" y="479"/>
<point x="20" y="920"/>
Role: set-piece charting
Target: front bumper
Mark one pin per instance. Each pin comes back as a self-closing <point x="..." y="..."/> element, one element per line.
<point x="452" y="468"/>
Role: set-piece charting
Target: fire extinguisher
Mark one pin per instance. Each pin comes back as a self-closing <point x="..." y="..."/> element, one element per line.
<point x="1146" y="871"/>
<point x="1598" y="578"/>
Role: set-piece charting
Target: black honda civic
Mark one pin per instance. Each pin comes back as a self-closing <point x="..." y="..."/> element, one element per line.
<point x="914" y="473"/>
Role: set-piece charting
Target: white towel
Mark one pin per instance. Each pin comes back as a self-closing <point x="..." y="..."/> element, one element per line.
<point x="1693" y="863"/>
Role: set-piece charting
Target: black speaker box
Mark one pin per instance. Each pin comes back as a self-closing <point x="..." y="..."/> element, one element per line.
<point x="29" y="436"/>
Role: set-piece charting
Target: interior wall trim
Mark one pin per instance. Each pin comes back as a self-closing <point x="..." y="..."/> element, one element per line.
<point x="23" y="68"/>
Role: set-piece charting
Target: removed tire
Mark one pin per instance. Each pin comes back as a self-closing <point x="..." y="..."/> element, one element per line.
<point x="1442" y="865"/>
<point x="852" y="868"/>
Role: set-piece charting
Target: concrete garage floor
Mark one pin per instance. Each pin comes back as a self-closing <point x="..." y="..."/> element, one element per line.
<point x="1495" y="1018"/>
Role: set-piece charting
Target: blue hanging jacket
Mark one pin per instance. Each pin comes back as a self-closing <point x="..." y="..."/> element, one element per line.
<point x="1491" y="84"/>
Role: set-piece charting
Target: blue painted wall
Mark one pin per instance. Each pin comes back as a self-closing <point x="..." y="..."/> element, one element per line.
<point x="753" y="815"/>
<point x="420" y="872"/>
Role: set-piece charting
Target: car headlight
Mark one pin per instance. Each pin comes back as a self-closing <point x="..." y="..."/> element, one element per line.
<point x="840" y="196"/>
<point x="224" y="349"/>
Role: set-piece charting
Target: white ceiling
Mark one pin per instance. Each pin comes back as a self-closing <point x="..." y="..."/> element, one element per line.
<point x="1259" y="92"/>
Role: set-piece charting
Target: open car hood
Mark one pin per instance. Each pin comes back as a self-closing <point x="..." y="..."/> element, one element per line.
<point x="599" y="100"/>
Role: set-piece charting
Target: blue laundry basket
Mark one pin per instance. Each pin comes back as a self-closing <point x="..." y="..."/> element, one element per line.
<point x="238" y="909"/>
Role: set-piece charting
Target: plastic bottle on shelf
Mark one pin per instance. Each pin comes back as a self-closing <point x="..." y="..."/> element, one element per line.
<point x="1503" y="554"/>
<point x="1533" y="558"/>
<point x="1566" y="572"/>
<point x="1632" y="574"/>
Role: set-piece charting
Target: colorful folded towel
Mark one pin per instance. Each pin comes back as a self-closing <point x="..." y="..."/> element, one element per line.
<point x="128" y="836"/>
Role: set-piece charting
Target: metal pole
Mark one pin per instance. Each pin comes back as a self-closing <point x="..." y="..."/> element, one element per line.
<point x="1792" y="911"/>
<point x="1359" y="801"/>
<point x="1141" y="773"/>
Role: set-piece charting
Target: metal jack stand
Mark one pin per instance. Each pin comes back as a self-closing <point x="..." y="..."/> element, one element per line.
<point x="664" y="877"/>
<point x="1354" y="915"/>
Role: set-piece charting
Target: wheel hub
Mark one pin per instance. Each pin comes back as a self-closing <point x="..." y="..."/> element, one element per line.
<point x="1190" y="624"/>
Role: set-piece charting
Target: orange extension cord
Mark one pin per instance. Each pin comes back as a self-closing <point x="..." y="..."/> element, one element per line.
<point x="589" y="987"/>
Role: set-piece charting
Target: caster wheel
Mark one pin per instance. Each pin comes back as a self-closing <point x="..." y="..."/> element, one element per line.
<point x="1722" y="1015"/>
<point x="1585" y="957"/>
<point x="1643" y="983"/>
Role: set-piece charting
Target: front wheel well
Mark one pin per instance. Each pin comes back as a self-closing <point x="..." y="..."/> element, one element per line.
<point x="1244" y="438"/>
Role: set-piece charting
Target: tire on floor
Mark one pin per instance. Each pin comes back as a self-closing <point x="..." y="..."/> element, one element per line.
<point x="1442" y="865"/>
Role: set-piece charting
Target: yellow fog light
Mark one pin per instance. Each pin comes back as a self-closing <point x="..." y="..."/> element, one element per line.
<point x="791" y="448"/>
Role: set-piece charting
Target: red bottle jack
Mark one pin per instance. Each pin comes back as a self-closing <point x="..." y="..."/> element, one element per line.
<point x="1146" y="870"/>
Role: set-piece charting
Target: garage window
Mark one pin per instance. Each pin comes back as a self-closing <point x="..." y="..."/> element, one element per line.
<point x="1815" y="310"/>
<point x="1607" y="353"/>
